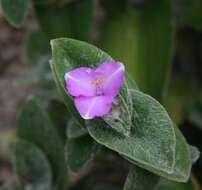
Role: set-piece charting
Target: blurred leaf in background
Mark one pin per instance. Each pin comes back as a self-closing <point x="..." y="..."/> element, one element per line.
<point x="73" y="20"/>
<point x="80" y="152"/>
<point x="32" y="167"/>
<point x="169" y="185"/>
<point x="140" y="179"/>
<point x="37" y="49"/>
<point x="36" y="127"/>
<point x="15" y="11"/>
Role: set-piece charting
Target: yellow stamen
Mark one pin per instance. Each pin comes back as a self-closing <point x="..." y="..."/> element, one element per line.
<point x="98" y="81"/>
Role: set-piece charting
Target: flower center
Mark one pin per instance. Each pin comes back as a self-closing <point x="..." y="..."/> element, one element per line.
<point x="97" y="83"/>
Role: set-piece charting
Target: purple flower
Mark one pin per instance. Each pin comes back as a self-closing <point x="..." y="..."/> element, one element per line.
<point x="95" y="89"/>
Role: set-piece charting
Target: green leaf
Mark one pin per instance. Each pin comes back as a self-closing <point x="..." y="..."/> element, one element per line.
<point x="152" y="140"/>
<point x="31" y="166"/>
<point x="195" y="153"/>
<point x="74" y="131"/>
<point x="182" y="167"/>
<point x="140" y="37"/>
<point x="37" y="49"/>
<point x="140" y="179"/>
<point x="72" y="20"/>
<point x="58" y="114"/>
<point x="170" y="185"/>
<point x="81" y="18"/>
<point x="36" y="127"/>
<point x="54" y="21"/>
<point x="15" y="11"/>
<point x="80" y="152"/>
<point x="120" y="116"/>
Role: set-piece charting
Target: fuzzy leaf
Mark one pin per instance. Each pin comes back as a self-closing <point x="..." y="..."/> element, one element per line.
<point x="74" y="131"/>
<point x="31" y="166"/>
<point x="195" y="153"/>
<point x="80" y="152"/>
<point x="36" y="127"/>
<point x="15" y="11"/>
<point x="170" y="185"/>
<point x="120" y="117"/>
<point x="140" y="179"/>
<point x="182" y="167"/>
<point x="152" y="140"/>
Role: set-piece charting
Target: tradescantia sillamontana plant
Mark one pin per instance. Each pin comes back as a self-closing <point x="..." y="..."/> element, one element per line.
<point x="131" y="123"/>
<point x="126" y="123"/>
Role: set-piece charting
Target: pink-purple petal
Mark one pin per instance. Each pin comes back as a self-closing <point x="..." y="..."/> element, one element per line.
<point x="91" y="107"/>
<point x="78" y="82"/>
<point x="113" y="73"/>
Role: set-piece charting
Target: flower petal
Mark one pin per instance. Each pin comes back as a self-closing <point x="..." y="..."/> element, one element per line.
<point x="78" y="82"/>
<point x="91" y="107"/>
<point x="113" y="73"/>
